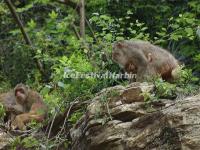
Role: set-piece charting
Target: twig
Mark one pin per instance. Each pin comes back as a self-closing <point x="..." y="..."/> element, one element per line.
<point x="76" y="31"/>
<point x="67" y="116"/>
<point x="52" y="124"/>
<point x="51" y="128"/>
<point x="59" y="119"/>
<point x="91" y="30"/>
<point x="65" y="120"/>
<point x="68" y="2"/>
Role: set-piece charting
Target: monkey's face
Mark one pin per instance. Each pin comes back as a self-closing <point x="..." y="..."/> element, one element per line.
<point x="118" y="54"/>
<point x="21" y="95"/>
<point x="21" y="92"/>
<point x="118" y="58"/>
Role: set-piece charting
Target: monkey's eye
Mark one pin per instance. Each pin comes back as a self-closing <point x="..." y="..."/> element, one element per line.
<point x="21" y="91"/>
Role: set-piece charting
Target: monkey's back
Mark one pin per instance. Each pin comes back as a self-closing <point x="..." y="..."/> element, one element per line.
<point x="7" y="98"/>
<point x="34" y="97"/>
<point x="161" y="58"/>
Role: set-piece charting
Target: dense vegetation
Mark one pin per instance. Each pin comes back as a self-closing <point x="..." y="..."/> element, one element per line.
<point x="52" y="28"/>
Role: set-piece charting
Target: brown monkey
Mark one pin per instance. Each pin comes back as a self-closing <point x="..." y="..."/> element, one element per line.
<point x="33" y="106"/>
<point x="144" y="59"/>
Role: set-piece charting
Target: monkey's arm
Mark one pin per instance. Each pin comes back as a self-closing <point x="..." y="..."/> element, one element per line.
<point x="38" y="112"/>
<point x="21" y="120"/>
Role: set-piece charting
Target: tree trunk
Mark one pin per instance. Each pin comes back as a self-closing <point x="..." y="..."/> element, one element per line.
<point x="82" y="19"/>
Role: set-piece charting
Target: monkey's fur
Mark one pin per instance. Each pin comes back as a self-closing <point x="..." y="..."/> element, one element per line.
<point x="9" y="102"/>
<point x="33" y="106"/>
<point x="144" y="59"/>
<point x="25" y="105"/>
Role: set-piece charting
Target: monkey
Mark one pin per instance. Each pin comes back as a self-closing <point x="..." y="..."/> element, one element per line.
<point x="8" y="101"/>
<point x="144" y="59"/>
<point x="33" y="106"/>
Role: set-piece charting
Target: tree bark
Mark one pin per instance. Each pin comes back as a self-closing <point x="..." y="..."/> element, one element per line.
<point x="82" y="19"/>
<point x="75" y="6"/>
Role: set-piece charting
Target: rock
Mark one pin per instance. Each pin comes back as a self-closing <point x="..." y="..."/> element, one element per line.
<point x="5" y="140"/>
<point x="116" y="119"/>
<point x="132" y="93"/>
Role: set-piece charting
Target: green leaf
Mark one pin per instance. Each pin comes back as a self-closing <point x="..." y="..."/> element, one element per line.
<point x="189" y="31"/>
<point x="32" y="24"/>
<point x="129" y="12"/>
<point x="175" y="37"/>
<point x="133" y="31"/>
<point x="144" y="28"/>
<point x="108" y="37"/>
<point x="53" y="15"/>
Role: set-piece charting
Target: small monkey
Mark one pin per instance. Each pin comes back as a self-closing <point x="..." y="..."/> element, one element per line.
<point x="32" y="105"/>
<point x="144" y="59"/>
<point x="8" y="101"/>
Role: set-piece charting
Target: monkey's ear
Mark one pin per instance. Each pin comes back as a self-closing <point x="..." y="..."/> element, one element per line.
<point x="149" y="57"/>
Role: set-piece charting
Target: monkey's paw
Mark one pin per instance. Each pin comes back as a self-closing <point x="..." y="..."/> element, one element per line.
<point x="17" y="124"/>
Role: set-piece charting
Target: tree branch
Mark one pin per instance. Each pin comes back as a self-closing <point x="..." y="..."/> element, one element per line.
<point x="90" y="28"/>
<point x="25" y="35"/>
<point x="68" y="2"/>
<point x="76" y="31"/>
<point x="72" y="4"/>
<point x="82" y="19"/>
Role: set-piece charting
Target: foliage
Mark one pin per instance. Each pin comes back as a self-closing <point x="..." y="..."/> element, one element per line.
<point x="183" y="86"/>
<point x="75" y="117"/>
<point x="164" y="89"/>
<point x="66" y="67"/>
<point x="26" y="143"/>
<point x="116" y="29"/>
<point x="53" y="36"/>
<point x="2" y="112"/>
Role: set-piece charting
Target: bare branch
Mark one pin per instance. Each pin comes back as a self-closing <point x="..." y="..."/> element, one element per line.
<point x="82" y="19"/>
<point x="90" y="27"/>
<point x="16" y="17"/>
<point x="68" y="2"/>
<point x="76" y="31"/>
<point x="25" y="35"/>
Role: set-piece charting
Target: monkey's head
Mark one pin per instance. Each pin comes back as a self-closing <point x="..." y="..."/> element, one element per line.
<point x="21" y="93"/>
<point x="118" y="54"/>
